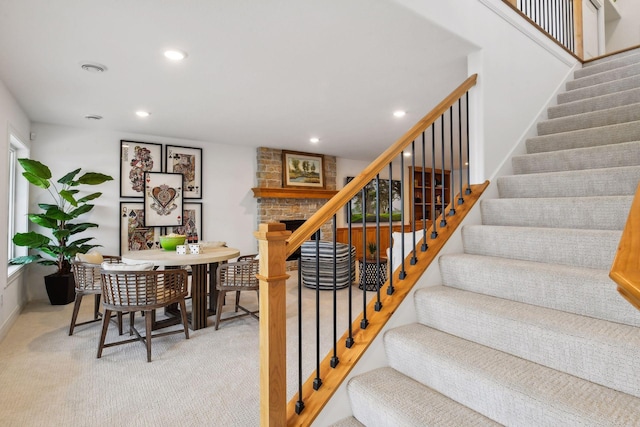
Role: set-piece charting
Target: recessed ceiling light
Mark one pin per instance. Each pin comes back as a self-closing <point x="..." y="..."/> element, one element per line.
<point x="175" y="55"/>
<point x="143" y="113"/>
<point x="314" y="140"/>
<point x="399" y="113"/>
<point x="93" y="117"/>
<point x="407" y="154"/>
<point x="93" y="67"/>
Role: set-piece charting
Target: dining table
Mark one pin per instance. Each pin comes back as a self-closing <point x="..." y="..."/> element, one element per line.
<point x="206" y="261"/>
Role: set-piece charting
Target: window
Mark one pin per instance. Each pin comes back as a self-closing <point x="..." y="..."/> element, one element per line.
<point x="18" y="196"/>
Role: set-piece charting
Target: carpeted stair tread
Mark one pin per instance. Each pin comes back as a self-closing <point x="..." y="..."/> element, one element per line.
<point x="505" y="388"/>
<point x="610" y="116"/>
<point x="560" y="287"/>
<point x="598" y="212"/>
<point x="603" y="102"/>
<point x="599" y="89"/>
<point x="611" y="64"/>
<point x="385" y="397"/>
<point x="604" y="77"/>
<point x="608" y="58"/>
<point x="598" y="157"/>
<point x="583" y="138"/>
<point x="592" y="349"/>
<point x="348" y="422"/>
<point x="621" y="181"/>
<point x="578" y="248"/>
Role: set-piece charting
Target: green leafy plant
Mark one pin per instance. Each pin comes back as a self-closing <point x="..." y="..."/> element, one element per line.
<point x="58" y="216"/>
<point x="372" y="249"/>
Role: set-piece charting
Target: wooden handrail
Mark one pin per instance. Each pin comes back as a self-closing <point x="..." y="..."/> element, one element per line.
<point x="326" y="212"/>
<point x="625" y="270"/>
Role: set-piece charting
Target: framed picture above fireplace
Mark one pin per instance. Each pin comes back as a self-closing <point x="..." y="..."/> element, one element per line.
<point x="302" y="169"/>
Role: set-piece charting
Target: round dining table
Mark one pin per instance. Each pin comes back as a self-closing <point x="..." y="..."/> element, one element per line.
<point x="207" y="260"/>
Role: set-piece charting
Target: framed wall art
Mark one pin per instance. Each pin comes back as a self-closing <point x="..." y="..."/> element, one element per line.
<point x="302" y="169"/>
<point x="136" y="158"/>
<point x="163" y="199"/>
<point x="188" y="162"/>
<point x="134" y="235"/>
<point x="368" y="206"/>
<point x="191" y="221"/>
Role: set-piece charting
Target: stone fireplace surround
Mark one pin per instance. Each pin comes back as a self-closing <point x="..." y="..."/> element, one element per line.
<point x="275" y="209"/>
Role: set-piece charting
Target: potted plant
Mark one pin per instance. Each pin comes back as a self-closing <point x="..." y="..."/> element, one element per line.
<point x="372" y="250"/>
<point x="57" y="217"/>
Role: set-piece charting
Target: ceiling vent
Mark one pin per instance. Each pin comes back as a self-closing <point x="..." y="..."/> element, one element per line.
<point x="93" y="117"/>
<point x="94" y="68"/>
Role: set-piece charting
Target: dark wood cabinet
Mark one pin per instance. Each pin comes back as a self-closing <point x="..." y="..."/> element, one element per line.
<point x="434" y="186"/>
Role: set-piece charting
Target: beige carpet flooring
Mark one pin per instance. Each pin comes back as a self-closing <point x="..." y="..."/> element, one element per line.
<point x="48" y="378"/>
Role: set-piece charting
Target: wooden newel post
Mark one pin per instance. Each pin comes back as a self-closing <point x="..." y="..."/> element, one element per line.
<point x="273" y="315"/>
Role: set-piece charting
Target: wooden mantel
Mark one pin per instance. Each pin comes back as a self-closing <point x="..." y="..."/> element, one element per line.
<point x="293" y="193"/>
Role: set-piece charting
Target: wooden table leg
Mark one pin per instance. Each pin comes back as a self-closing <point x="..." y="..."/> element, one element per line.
<point x="199" y="296"/>
<point x="213" y="292"/>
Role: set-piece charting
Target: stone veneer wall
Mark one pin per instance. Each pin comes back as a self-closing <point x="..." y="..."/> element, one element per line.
<point x="269" y="175"/>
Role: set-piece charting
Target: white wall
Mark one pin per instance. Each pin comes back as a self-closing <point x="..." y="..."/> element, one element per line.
<point x="229" y="209"/>
<point x="624" y="32"/>
<point x="12" y="295"/>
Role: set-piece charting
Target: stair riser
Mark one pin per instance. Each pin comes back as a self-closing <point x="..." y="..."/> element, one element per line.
<point x="603" y="213"/>
<point x="627" y="113"/>
<point x="628" y="97"/>
<point x="607" y="156"/>
<point x="599" y="90"/>
<point x="621" y="181"/>
<point x="554" y="286"/>
<point x="608" y="76"/>
<point x="561" y="341"/>
<point x="578" y="248"/>
<point x="612" y="64"/>
<point x="590" y="137"/>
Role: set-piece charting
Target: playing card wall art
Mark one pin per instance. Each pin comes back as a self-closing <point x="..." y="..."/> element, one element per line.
<point x="134" y="235"/>
<point x="163" y="199"/>
<point x="136" y="158"/>
<point x="188" y="162"/>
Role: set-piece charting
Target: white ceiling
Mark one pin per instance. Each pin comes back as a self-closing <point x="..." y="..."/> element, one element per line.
<point x="259" y="72"/>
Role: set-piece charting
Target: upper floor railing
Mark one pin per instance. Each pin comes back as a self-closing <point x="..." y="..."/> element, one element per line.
<point x="414" y="194"/>
<point x="560" y="20"/>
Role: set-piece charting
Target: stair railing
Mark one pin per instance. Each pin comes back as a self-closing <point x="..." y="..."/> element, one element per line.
<point x="560" y="20"/>
<point x="442" y="137"/>
<point x="625" y="270"/>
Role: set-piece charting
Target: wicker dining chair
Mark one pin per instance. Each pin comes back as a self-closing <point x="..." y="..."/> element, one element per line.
<point x="237" y="277"/>
<point x="87" y="282"/>
<point x="133" y="290"/>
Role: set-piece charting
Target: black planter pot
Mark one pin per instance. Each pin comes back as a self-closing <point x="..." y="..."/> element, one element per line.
<point x="60" y="288"/>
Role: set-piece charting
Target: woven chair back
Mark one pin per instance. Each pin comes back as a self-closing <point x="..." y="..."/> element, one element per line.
<point x="143" y="290"/>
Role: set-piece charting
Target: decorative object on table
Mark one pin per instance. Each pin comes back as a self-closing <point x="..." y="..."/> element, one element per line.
<point x="194" y="248"/>
<point x="136" y="158"/>
<point x="128" y="291"/>
<point x="171" y="241"/>
<point x="214" y="244"/>
<point x="191" y="222"/>
<point x="302" y="169"/>
<point x="134" y="235"/>
<point x="188" y="162"/>
<point x="310" y="275"/>
<point x="237" y="277"/>
<point x="57" y="217"/>
<point x="373" y="249"/>
<point x="163" y="199"/>
<point x="181" y="249"/>
<point x="356" y="204"/>
<point x="86" y="275"/>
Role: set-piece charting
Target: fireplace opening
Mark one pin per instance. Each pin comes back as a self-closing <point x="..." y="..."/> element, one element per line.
<point x="293" y="225"/>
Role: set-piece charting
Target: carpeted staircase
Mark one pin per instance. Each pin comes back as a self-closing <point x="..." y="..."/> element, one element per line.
<point x="528" y="329"/>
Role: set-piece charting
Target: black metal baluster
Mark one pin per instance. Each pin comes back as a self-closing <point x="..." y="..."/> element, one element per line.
<point x="403" y="273"/>
<point x="413" y="259"/>
<point x="434" y="225"/>
<point x="299" y="402"/>
<point x="349" y="341"/>
<point x="468" y="190"/>
<point x="390" y="288"/>
<point x="452" y="184"/>
<point x="443" y="221"/>
<point x="424" y="246"/>
<point x="461" y="159"/>
<point x="363" y="263"/>
<point x="378" y="305"/>
<point x="334" y="359"/>
<point x="317" y="382"/>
